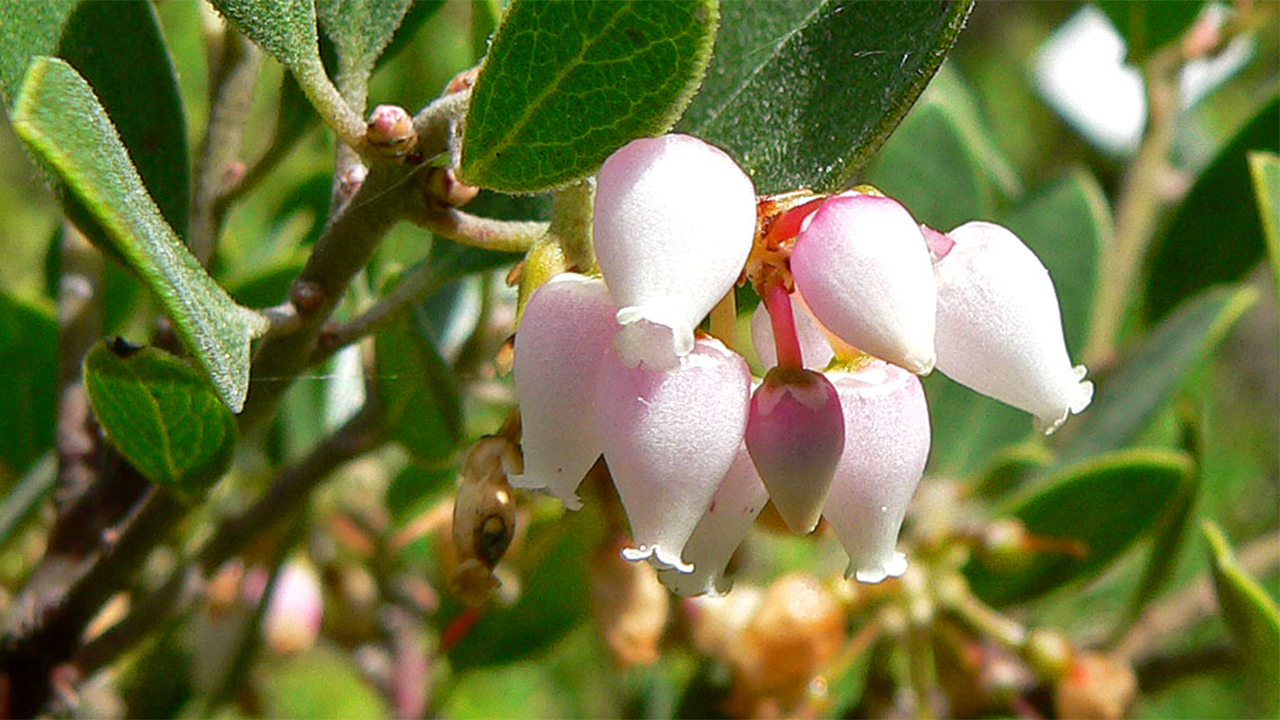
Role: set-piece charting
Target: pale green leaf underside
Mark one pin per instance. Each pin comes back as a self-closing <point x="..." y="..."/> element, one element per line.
<point x="1265" y="169"/>
<point x="360" y="29"/>
<point x="567" y="83"/>
<point x="1251" y="617"/>
<point x="60" y="119"/>
<point x="162" y="416"/>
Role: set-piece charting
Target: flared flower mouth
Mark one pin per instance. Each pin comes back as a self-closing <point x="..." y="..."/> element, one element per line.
<point x="857" y="301"/>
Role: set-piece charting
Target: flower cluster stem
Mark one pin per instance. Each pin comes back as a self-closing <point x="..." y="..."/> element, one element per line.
<point x="778" y="303"/>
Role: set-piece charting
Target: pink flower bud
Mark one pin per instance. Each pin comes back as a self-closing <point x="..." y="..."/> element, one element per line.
<point x="293" y="615"/>
<point x="674" y="221"/>
<point x="795" y="433"/>
<point x="734" y="507"/>
<point x="813" y="341"/>
<point x="564" y="332"/>
<point x="999" y="327"/>
<point x="670" y="439"/>
<point x="886" y="445"/>
<point x="864" y="270"/>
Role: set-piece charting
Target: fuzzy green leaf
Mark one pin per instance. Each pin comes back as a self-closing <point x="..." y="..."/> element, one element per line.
<point x="31" y="29"/>
<point x="1126" y="400"/>
<point x="803" y="93"/>
<point x="284" y="28"/>
<point x="1251" y="616"/>
<point x="1216" y="235"/>
<point x="1264" y="167"/>
<point x="567" y="83"/>
<point x="360" y="29"/>
<point x="1092" y="512"/>
<point x="162" y="415"/>
<point x="28" y="383"/>
<point x="58" y="117"/>
<point x="1068" y="226"/>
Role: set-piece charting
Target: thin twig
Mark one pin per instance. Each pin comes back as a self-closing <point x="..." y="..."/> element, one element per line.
<point x="485" y="233"/>
<point x="1138" y="205"/>
<point x="230" y="100"/>
<point x="292" y="486"/>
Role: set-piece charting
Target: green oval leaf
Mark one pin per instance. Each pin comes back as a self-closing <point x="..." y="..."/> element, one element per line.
<point x="1251" y="617"/>
<point x="1216" y="236"/>
<point x="322" y="684"/>
<point x="58" y="117"/>
<point x="418" y="394"/>
<point x="161" y="414"/>
<point x="31" y="29"/>
<point x="1127" y="399"/>
<point x="567" y="83"/>
<point x="929" y="144"/>
<point x="28" y="383"/>
<point x="119" y="49"/>
<point x="1100" y="507"/>
<point x="803" y="93"/>
<point x="968" y="428"/>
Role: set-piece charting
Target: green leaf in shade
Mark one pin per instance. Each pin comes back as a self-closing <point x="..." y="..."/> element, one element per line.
<point x="1147" y="25"/>
<point x="119" y="49"/>
<point x="320" y="684"/>
<point x="360" y="29"/>
<point x="929" y="144"/>
<point x="803" y="93"/>
<point x="1127" y="399"/>
<point x="950" y="89"/>
<point x="567" y="83"/>
<point x="1215" y="236"/>
<point x="1252" y="618"/>
<point x="1009" y="468"/>
<point x="1097" y="509"/>
<point x="161" y="414"/>
<point x="414" y="487"/>
<point x="969" y="429"/>
<point x="28" y="384"/>
<point x="418" y="394"/>
<point x="59" y="118"/>
<point x="1264" y="167"/>
<point x="31" y="29"/>
<point x="484" y="20"/>
<point x="1068" y="226"/>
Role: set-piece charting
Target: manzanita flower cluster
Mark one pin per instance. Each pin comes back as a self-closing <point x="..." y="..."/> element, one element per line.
<point x="858" y="300"/>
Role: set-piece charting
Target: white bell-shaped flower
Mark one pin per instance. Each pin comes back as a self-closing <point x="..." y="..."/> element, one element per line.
<point x="733" y="508"/>
<point x="864" y="270"/>
<point x="999" y="327"/>
<point x="885" y="450"/>
<point x="670" y="439"/>
<point x="814" y="345"/>
<point x="564" y="332"/>
<point x="795" y="434"/>
<point x="674" y="221"/>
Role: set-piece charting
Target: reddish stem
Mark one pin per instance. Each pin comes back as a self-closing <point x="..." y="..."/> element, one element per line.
<point x="778" y="303"/>
<point x="788" y="224"/>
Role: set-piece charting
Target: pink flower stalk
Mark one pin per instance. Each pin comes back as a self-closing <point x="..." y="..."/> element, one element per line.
<point x="671" y="437"/>
<point x="864" y="270"/>
<point x="674" y="221"/>
<point x="999" y="327"/>
<point x="885" y="450"/>
<point x="814" y="346"/>
<point x="564" y="333"/>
